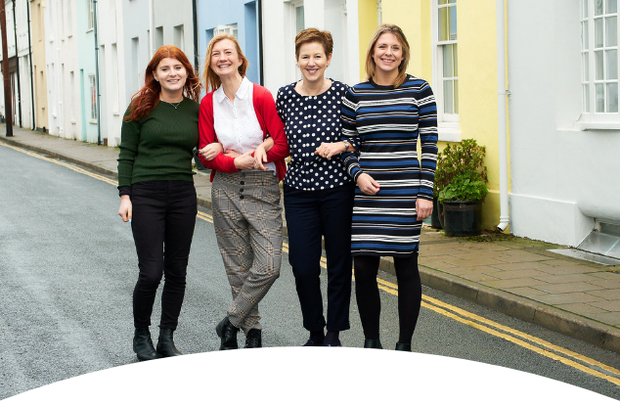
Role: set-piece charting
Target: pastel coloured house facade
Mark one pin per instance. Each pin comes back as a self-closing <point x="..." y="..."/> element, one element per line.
<point x="565" y="122"/>
<point x="454" y="47"/>
<point x="239" y="18"/>
<point x="282" y="20"/>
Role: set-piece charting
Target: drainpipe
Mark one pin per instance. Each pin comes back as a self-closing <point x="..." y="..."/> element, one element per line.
<point x="8" y="108"/>
<point x="259" y="5"/>
<point x="96" y="32"/>
<point x="19" y="86"/>
<point x="151" y="28"/>
<point x="34" y="116"/>
<point x="196" y="46"/>
<point x="502" y="113"/>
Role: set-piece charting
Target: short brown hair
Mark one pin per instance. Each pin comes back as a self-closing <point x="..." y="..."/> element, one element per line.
<point x="400" y="36"/>
<point x="210" y="78"/>
<point x="314" y="35"/>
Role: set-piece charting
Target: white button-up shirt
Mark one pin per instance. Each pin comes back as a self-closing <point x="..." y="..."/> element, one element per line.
<point x="235" y="122"/>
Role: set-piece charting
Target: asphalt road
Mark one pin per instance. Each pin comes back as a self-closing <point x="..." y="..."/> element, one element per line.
<point x="68" y="266"/>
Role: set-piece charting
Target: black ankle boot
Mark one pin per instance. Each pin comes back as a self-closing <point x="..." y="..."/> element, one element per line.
<point x="165" y="344"/>
<point x="143" y="345"/>
<point x="254" y="339"/>
<point x="403" y="346"/>
<point x="372" y="343"/>
<point x="228" y="333"/>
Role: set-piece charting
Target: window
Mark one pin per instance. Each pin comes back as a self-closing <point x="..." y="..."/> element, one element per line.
<point x="93" y="97"/>
<point x="599" y="61"/>
<point x="447" y="60"/>
<point x="91" y="17"/>
<point x="294" y="22"/>
<point x="158" y="38"/>
<point x="179" y="36"/>
<point x="228" y="29"/>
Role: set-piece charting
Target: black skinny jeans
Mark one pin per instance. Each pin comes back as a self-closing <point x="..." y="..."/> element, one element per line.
<point x="164" y="216"/>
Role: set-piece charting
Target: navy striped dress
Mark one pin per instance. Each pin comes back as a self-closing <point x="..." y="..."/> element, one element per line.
<point x="384" y="125"/>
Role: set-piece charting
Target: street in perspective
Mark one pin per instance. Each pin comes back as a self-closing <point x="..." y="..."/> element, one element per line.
<point x="68" y="266"/>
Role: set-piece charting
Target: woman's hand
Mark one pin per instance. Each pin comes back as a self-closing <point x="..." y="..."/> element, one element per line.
<point x="368" y="185"/>
<point x="245" y="161"/>
<point x="260" y="154"/>
<point x="231" y="153"/>
<point x="328" y="150"/>
<point x="125" y="210"/>
<point x="423" y="208"/>
<point x="210" y="151"/>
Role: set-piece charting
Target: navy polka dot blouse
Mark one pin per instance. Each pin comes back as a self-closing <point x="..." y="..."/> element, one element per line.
<point x="308" y="122"/>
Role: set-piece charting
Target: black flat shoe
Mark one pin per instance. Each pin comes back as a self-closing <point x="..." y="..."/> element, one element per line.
<point x="165" y="344"/>
<point x="228" y="333"/>
<point x="373" y="343"/>
<point x="143" y="345"/>
<point x="312" y="343"/>
<point x="403" y="346"/>
<point x="254" y="339"/>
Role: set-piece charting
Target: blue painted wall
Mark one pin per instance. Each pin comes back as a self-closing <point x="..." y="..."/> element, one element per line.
<point x="241" y="12"/>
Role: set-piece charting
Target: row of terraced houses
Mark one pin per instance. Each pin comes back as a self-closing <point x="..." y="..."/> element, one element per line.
<point x="534" y="81"/>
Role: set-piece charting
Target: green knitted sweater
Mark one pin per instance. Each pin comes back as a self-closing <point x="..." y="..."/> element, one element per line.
<point x="159" y="147"/>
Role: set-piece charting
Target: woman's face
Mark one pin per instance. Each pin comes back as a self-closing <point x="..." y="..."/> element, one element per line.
<point x="225" y="59"/>
<point x="312" y="61"/>
<point x="387" y="53"/>
<point x="171" y="75"/>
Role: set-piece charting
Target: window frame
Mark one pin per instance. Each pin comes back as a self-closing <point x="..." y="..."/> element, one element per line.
<point x="448" y="123"/>
<point x="591" y="117"/>
<point x="94" y="111"/>
<point x="231" y="29"/>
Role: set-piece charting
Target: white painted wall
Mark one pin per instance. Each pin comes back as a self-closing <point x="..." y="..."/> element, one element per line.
<point x="340" y="17"/>
<point x="563" y="178"/>
<point x="172" y="17"/>
<point x="62" y="69"/>
<point x="112" y="69"/>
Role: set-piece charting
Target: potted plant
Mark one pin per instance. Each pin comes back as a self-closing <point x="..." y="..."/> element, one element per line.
<point x="460" y="181"/>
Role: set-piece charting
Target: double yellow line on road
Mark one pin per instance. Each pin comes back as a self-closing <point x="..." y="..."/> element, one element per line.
<point x="540" y="346"/>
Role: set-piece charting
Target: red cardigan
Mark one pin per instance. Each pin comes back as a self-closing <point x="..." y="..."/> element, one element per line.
<point x="270" y="123"/>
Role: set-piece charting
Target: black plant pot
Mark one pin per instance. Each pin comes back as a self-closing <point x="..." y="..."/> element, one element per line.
<point x="435" y="216"/>
<point x="462" y="218"/>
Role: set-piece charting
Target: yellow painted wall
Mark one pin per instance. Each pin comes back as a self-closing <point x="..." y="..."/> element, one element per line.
<point x="477" y="46"/>
<point x="414" y="18"/>
<point x="477" y="53"/>
<point x="368" y="22"/>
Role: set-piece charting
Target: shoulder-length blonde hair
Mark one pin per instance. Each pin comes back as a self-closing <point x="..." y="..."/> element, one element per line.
<point x="209" y="78"/>
<point x="400" y="36"/>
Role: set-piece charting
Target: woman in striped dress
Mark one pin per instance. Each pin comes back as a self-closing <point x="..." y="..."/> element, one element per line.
<point x="383" y="118"/>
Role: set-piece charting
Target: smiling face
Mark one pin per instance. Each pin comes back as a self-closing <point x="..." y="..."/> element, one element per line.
<point x="171" y="75"/>
<point x="312" y="61"/>
<point x="225" y="60"/>
<point x="387" y="54"/>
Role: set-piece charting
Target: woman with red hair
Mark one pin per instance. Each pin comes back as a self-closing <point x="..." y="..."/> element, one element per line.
<point x="158" y="197"/>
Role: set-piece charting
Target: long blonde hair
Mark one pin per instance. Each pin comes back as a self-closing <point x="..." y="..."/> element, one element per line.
<point x="400" y="36"/>
<point x="209" y="78"/>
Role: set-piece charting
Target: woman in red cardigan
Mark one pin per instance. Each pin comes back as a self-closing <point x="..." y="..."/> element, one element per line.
<point x="235" y="119"/>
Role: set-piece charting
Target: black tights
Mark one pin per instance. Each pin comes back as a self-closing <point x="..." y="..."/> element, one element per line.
<point x="369" y="302"/>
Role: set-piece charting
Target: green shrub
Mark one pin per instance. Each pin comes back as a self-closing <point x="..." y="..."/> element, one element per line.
<point x="466" y="157"/>
<point x="464" y="187"/>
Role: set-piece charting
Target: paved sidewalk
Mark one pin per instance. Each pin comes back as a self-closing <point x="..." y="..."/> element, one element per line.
<point x="518" y="277"/>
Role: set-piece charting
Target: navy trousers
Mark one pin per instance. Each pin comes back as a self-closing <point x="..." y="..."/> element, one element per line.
<point x="164" y="216"/>
<point x="311" y="215"/>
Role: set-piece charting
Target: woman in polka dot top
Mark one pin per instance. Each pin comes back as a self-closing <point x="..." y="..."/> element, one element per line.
<point x="318" y="192"/>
